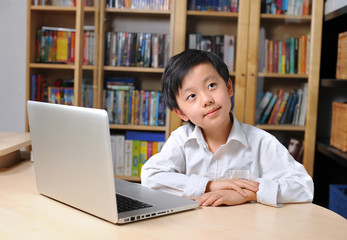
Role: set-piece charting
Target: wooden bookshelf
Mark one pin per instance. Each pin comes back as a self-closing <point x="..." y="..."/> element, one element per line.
<point x="280" y="27"/>
<point x="178" y="22"/>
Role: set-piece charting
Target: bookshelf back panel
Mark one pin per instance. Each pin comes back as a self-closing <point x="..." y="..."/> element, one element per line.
<point x="212" y="26"/>
<point x="138" y="23"/>
<point x="282" y="30"/>
<point x="274" y="84"/>
<point x="146" y="81"/>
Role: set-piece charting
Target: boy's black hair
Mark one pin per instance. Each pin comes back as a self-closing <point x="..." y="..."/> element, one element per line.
<point x="180" y="65"/>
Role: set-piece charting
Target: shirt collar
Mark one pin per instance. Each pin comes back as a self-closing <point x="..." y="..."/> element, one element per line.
<point x="236" y="133"/>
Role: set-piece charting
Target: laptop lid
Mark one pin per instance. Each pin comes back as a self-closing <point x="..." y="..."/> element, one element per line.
<point x="72" y="157"/>
<point x="73" y="164"/>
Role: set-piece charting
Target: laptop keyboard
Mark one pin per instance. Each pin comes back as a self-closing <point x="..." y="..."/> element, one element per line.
<point x="125" y="204"/>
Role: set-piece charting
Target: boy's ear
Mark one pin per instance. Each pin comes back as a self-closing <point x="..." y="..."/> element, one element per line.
<point x="230" y="88"/>
<point x="181" y="115"/>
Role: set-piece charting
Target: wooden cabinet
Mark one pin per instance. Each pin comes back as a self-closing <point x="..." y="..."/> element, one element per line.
<point x="330" y="162"/>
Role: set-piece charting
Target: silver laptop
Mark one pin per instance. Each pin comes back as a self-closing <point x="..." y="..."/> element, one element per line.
<point x="73" y="164"/>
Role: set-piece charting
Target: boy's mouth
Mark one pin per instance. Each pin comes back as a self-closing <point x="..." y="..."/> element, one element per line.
<point x="209" y="113"/>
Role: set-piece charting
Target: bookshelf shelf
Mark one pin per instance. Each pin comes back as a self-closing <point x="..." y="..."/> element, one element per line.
<point x="281" y="127"/>
<point x="53" y="8"/>
<point x="212" y="14"/>
<point x="89" y="67"/>
<point x="331" y="82"/>
<point x="134" y="69"/>
<point x="282" y="75"/>
<point x="52" y="66"/>
<point x="138" y="127"/>
<point x="290" y="18"/>
<point x="333" y="153"/>
<point x="335" y="14"/>
<point x="138" y="11"/>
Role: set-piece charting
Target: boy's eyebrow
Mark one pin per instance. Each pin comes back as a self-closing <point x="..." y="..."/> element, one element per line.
<point x="208" y="77"/>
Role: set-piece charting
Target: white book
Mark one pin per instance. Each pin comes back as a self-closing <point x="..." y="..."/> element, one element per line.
<point x="297" y="110"/>
<point x="303" y="109"/>
<point x="128" y="154"/>
<point x="119" y="154"/>
<point x="113" y="150"/>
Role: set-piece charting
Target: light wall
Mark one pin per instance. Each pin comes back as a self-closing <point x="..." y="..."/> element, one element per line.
<point x="12" y="64"/>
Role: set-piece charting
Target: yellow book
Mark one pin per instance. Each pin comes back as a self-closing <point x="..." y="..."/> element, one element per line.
<point x="155" y="148"/>
<point x="143" y="154"/>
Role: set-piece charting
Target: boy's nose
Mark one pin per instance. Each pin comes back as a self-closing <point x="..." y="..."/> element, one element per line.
<point x="207" y="100"/>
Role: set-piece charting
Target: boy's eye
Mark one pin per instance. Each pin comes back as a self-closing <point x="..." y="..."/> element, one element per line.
<point x="211" y="85"/>
<point x="191" y="96"/>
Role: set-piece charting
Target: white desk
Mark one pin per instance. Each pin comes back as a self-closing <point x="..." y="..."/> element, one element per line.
<point x="24" y="214"/>
<point x="10" y="145"/>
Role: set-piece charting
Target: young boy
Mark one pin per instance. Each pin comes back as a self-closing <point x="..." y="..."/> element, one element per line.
<point x="215" y="159"/>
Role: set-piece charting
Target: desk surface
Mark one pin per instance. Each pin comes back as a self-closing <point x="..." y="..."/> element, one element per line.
<point x="24" y="214"/>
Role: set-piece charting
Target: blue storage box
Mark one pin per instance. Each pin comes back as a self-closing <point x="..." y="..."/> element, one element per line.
<point x="338" y="199"/>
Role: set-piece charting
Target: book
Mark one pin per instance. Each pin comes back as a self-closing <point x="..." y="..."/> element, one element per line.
<point x="290" y="115"/>
<point x="268" y="109"/>
<point x="135" y="158"/>
<point x="143" y="154"/>
<point x="262" y="105"/>
<point x="119" y="154"/>
<point x="297" y="110"/>
<point x="281" y="108"/>
<point x="303" y="108"/>
<point x="276" y="106"/>
<point x="286" y="110"/>
<point x="128" y="154"/>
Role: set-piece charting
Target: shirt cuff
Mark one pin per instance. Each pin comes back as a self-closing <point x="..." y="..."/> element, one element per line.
<point x="267" y="193"/>
<point x="195" y="186"/>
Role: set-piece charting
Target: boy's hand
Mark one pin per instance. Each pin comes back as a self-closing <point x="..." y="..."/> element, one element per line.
<point x="226" y="197"/>
<point x="236" y="184"/>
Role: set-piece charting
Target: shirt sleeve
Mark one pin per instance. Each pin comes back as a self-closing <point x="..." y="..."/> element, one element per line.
<point x="282" y="179"/>
<point x="166" y="171"/>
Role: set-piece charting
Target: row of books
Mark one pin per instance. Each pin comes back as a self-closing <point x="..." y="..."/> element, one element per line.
<point x="140" y="4"/>
<point x="132" y="150"/>
<point x="60" y="91"/>
<point x="286" y="7"/>
<point x="289" y="56"/>
<point x="136" y="49"/>
<point x="222" y="45"/>
<point x="214" y="5"/>
<point x="57" y="45"/>
<point x="135" y="107"/>
<point x="64" y="3"/>
<point x="283" y="107"/>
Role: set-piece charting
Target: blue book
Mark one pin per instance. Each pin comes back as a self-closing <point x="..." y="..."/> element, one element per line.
<point x="286" y="110"/>
<point x="268" y="109"/>
<point x="291" y="109"/>
<point x="145" y="136"/>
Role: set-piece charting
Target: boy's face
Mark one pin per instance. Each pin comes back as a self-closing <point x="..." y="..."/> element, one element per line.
<point x="204" y="98"/>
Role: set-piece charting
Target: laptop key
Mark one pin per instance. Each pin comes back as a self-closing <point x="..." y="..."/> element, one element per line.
<point x="125" y="204"/>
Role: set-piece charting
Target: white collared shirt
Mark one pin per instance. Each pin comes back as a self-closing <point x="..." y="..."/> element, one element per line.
<point x="185" y="165"/>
